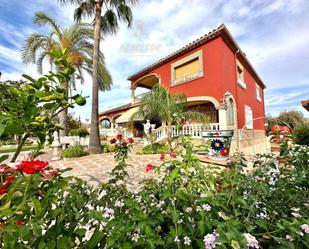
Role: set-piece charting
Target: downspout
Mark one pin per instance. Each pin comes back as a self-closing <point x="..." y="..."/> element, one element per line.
<point x="236" y="92"/>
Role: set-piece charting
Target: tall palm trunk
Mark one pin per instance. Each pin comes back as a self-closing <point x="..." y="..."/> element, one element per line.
<point x="63" y="115"/>
<point x="95" y="143"/>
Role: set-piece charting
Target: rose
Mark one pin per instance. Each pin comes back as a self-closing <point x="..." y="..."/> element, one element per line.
<point x="130" y="140"/>
<point x="31" y="167"/>
<point x="149" y="167"/>
<point x="113" y="140"/>
<point x="119" y="136"/>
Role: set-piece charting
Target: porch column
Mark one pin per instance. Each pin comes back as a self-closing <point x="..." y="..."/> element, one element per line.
<point x="222" y="119"/>
<point x="112" y="129"/>
<point x="132" y="96"/>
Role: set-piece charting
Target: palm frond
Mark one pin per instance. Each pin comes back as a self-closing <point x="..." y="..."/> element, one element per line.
<point x="41" y="18"/>
<point x="109" y="22"/>
<point x="125" y="14"/>
<point x="85" y="9"/>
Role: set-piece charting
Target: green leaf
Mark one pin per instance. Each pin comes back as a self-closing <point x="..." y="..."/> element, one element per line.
<point x="37" y="207"/>
<point x="29" y="78"/>
<point x="6" y="206"/>
<point x="3" y="158"/>
<point x="95" y="239"/>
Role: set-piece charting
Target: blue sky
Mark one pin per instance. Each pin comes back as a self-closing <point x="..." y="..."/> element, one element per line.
<point x="273" y="33"/>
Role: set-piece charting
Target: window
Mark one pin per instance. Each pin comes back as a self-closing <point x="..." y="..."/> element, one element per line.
<point x="258" y="92"/>
<point x="187" y="71"/>
<point x="240" y="75"/>
<point x="106" y="124"/>
<point x="248" y="118"/>
<point x="230" y="112"/>
<point x="188" y="68"/>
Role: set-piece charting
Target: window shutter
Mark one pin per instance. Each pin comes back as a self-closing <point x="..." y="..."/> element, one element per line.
<point x="248" y="117"/>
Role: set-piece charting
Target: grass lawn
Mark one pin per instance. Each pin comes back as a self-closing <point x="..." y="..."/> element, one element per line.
<point x="13" y="148"/>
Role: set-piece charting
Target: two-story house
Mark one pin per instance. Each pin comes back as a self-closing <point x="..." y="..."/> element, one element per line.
<point x="218" y="80"/>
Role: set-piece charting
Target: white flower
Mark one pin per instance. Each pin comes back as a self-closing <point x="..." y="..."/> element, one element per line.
<point x="189" y="209"/>
<point x="289" y="237"/>
<point x="176" y="240"/>
<point x="202" y="195"/>
<point x="206" y="207"/>
<point x="305" y="228"/>
<point x="135" y="237"/>
<point x="187" y="240"/>
<point x="251" y="241"/>
<point x="294" y="209"/>
<point x="102" y="194"/>
<point x="198" y="208"/>
<point x="223" y="216"/>
<point x="119" y="203"/>
<point x="296" y="215"/>
<point x="108" y="213"/>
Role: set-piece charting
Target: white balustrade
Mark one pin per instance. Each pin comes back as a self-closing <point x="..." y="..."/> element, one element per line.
<point x="194" y="130"/>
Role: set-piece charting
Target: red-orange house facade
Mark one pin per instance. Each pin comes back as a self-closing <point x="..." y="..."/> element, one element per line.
<point x="217" y="78"/>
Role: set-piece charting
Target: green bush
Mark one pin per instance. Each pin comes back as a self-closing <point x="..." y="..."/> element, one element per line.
<point x="106" y="148"/>
<point x="81" y="132"/>
<point x="155" y="148"/>
<point x="302" y="135"/>
<point x="74" y="151"/>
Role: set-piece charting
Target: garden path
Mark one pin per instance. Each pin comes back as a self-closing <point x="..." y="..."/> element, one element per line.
<point x="97" y="168"/>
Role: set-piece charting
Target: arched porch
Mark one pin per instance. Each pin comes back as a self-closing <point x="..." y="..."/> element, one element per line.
<point x="146" y="82"/>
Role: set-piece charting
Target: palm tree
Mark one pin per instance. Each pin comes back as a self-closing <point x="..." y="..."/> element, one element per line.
<point x="78" y="40"/>
<point x="159" y="104"/>
<point x="106" y="14"/>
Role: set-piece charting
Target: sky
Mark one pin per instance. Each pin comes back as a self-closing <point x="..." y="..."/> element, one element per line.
<point x="274" y="34"/>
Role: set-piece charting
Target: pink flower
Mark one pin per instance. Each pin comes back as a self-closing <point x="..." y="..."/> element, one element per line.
<point x="149" y="167"/>
<point x="49" y="173"/>
<point x="251" y="241"/>
<point x="210" y="240"/>
<point x="173" y="155"/>
<point x="5" y="169"/>
<point x="305" y="228"/>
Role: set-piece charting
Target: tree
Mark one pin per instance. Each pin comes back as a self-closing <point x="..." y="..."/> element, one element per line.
<point x="28" y="109"/>
<point x="292" y="119"/>
<point x="78" y="39"/>
<point x="169" y="109"/>
<point x="113" y="11"/>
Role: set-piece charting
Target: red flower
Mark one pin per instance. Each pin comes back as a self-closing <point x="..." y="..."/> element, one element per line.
<point x="8" y="180"/>
<point x="119" y="136"/>
<point x="31" y="167"/>
<point x="173" y="155"/>
<point x="49" y="174"/>
<point x="224" y="152"/>
<point x="149" y="167"/>
<point x="5" y="169"/>
<point x="113" y="140"/>
<point x="3" y="190"/>
<point x="19" y="222"/>
<point x="130" y="140"/>
<point x="162" y="156"/>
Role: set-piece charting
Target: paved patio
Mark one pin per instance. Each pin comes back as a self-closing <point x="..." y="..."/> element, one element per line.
<point x="96" y="168"/>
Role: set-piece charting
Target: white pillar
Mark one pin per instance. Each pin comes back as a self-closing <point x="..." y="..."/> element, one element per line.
<point x="222" y="119"/>
<point x="132" y="96"/>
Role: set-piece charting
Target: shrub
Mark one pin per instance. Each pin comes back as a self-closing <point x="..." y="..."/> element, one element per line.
<point x="81" y="132"/>
<point x="302" y="135"/>
<point x="106" y="148"/>
<point x="74" y="151"/>
<point x="155" y="148"/>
